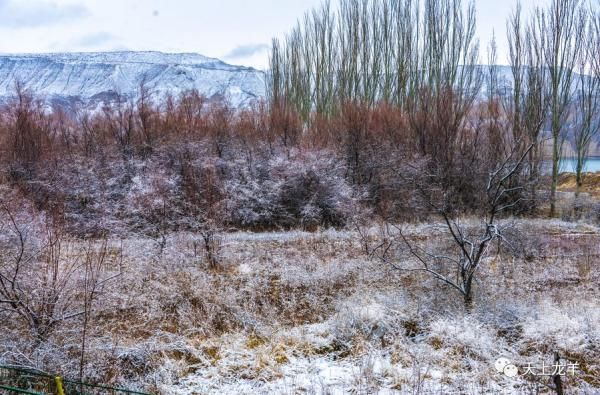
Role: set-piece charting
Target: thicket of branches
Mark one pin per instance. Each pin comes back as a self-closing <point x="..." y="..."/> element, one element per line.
<point x="255" y="168"/>
<point x="420" y="57"/>
<point x="457" y="147"/>
<point x="366" y="98"/>
<point x="375" y="51"/>
<point x="375" y="108"/>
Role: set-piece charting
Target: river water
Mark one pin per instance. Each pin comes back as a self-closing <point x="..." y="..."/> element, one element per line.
<point x="568" y="165"/>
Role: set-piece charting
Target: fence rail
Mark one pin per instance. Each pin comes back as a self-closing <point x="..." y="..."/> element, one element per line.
<point x="12" y="390"/>
<point x="18" y="380"/>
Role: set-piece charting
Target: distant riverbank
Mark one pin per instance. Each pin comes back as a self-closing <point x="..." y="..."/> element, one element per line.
<point x="568" y="165"/>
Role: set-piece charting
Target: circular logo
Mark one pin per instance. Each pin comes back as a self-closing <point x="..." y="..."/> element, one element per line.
<point x="511" y="370"/>
<point x="501" y="363"/>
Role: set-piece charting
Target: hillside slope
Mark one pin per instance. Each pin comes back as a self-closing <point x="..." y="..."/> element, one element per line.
<point x="90" y="79"/>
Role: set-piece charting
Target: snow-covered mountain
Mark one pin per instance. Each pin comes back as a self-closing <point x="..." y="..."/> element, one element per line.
<point x="90" y="79"/>
<point x="93" y="78"/>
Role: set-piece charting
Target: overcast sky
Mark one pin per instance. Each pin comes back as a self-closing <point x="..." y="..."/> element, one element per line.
<point x="237" y="31"/>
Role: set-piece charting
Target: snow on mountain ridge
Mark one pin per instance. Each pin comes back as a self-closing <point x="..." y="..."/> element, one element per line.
<point x="94" y="78"/>
<point x="119" y="57"/>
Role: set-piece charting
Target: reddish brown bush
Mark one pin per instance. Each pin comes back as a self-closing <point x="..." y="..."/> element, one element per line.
<point x="378" y="149"/>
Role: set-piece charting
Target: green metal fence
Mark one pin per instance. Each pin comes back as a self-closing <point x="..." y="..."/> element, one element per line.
<point x="17" y="380"/>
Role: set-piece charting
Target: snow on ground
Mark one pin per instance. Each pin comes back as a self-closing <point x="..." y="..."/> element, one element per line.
<point x="300" y="312"/>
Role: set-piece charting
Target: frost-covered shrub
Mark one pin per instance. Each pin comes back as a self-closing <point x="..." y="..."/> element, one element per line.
<point x="310" y="201"/>
<point x="301" y="191"/>
<point x="252" y="195"/>
<point x="369" y="320"/>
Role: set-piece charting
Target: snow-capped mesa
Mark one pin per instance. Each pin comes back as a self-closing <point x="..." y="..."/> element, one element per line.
<point x="93" y="78"/>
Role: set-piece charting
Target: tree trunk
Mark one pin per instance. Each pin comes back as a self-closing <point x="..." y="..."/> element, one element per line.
<point x="469" y="304"/>
<point x="555" y="162"/>
<point x="578" y="177"/>
<point x="578" y="185"/>
<point x="468" y="295"/>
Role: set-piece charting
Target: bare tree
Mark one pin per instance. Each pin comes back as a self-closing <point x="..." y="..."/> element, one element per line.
<point x="446" y="79"/>
<point x="405" y="55"/>
<point x="497" y="135"/>
<point x="526" y="105"/>
<point x="43" y="300"/>
<point x="28" y="132"/>
<point x="119" y="118"/>
<point x="586" y="123"/>
<point x="517" y="59"/>
<point x="560" y="28"/>
<point x="470" y="248"/>
<point x="373" y="50"/>
<point x="275" y="75"/>
<point x="595" y="40"/>
<point x="39" y="278"/>
<point x="95" y="278"/>
<point x="204" y="204"/>
<point x="145" y="113"/>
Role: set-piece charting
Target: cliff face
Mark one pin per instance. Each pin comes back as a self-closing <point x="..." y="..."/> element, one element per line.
<point x="90" y="79"/>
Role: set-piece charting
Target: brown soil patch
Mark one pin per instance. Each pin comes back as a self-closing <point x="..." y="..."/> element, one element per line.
<point x="591" y="183"/>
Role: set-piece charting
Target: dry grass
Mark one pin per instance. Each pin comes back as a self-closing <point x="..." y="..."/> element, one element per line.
<point x="591" y="183"/>
<point x="294" y="311"/>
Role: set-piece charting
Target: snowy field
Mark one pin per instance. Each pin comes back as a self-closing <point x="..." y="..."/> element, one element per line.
<point x="386" y="332"/>
<point x="298" y="312"/>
